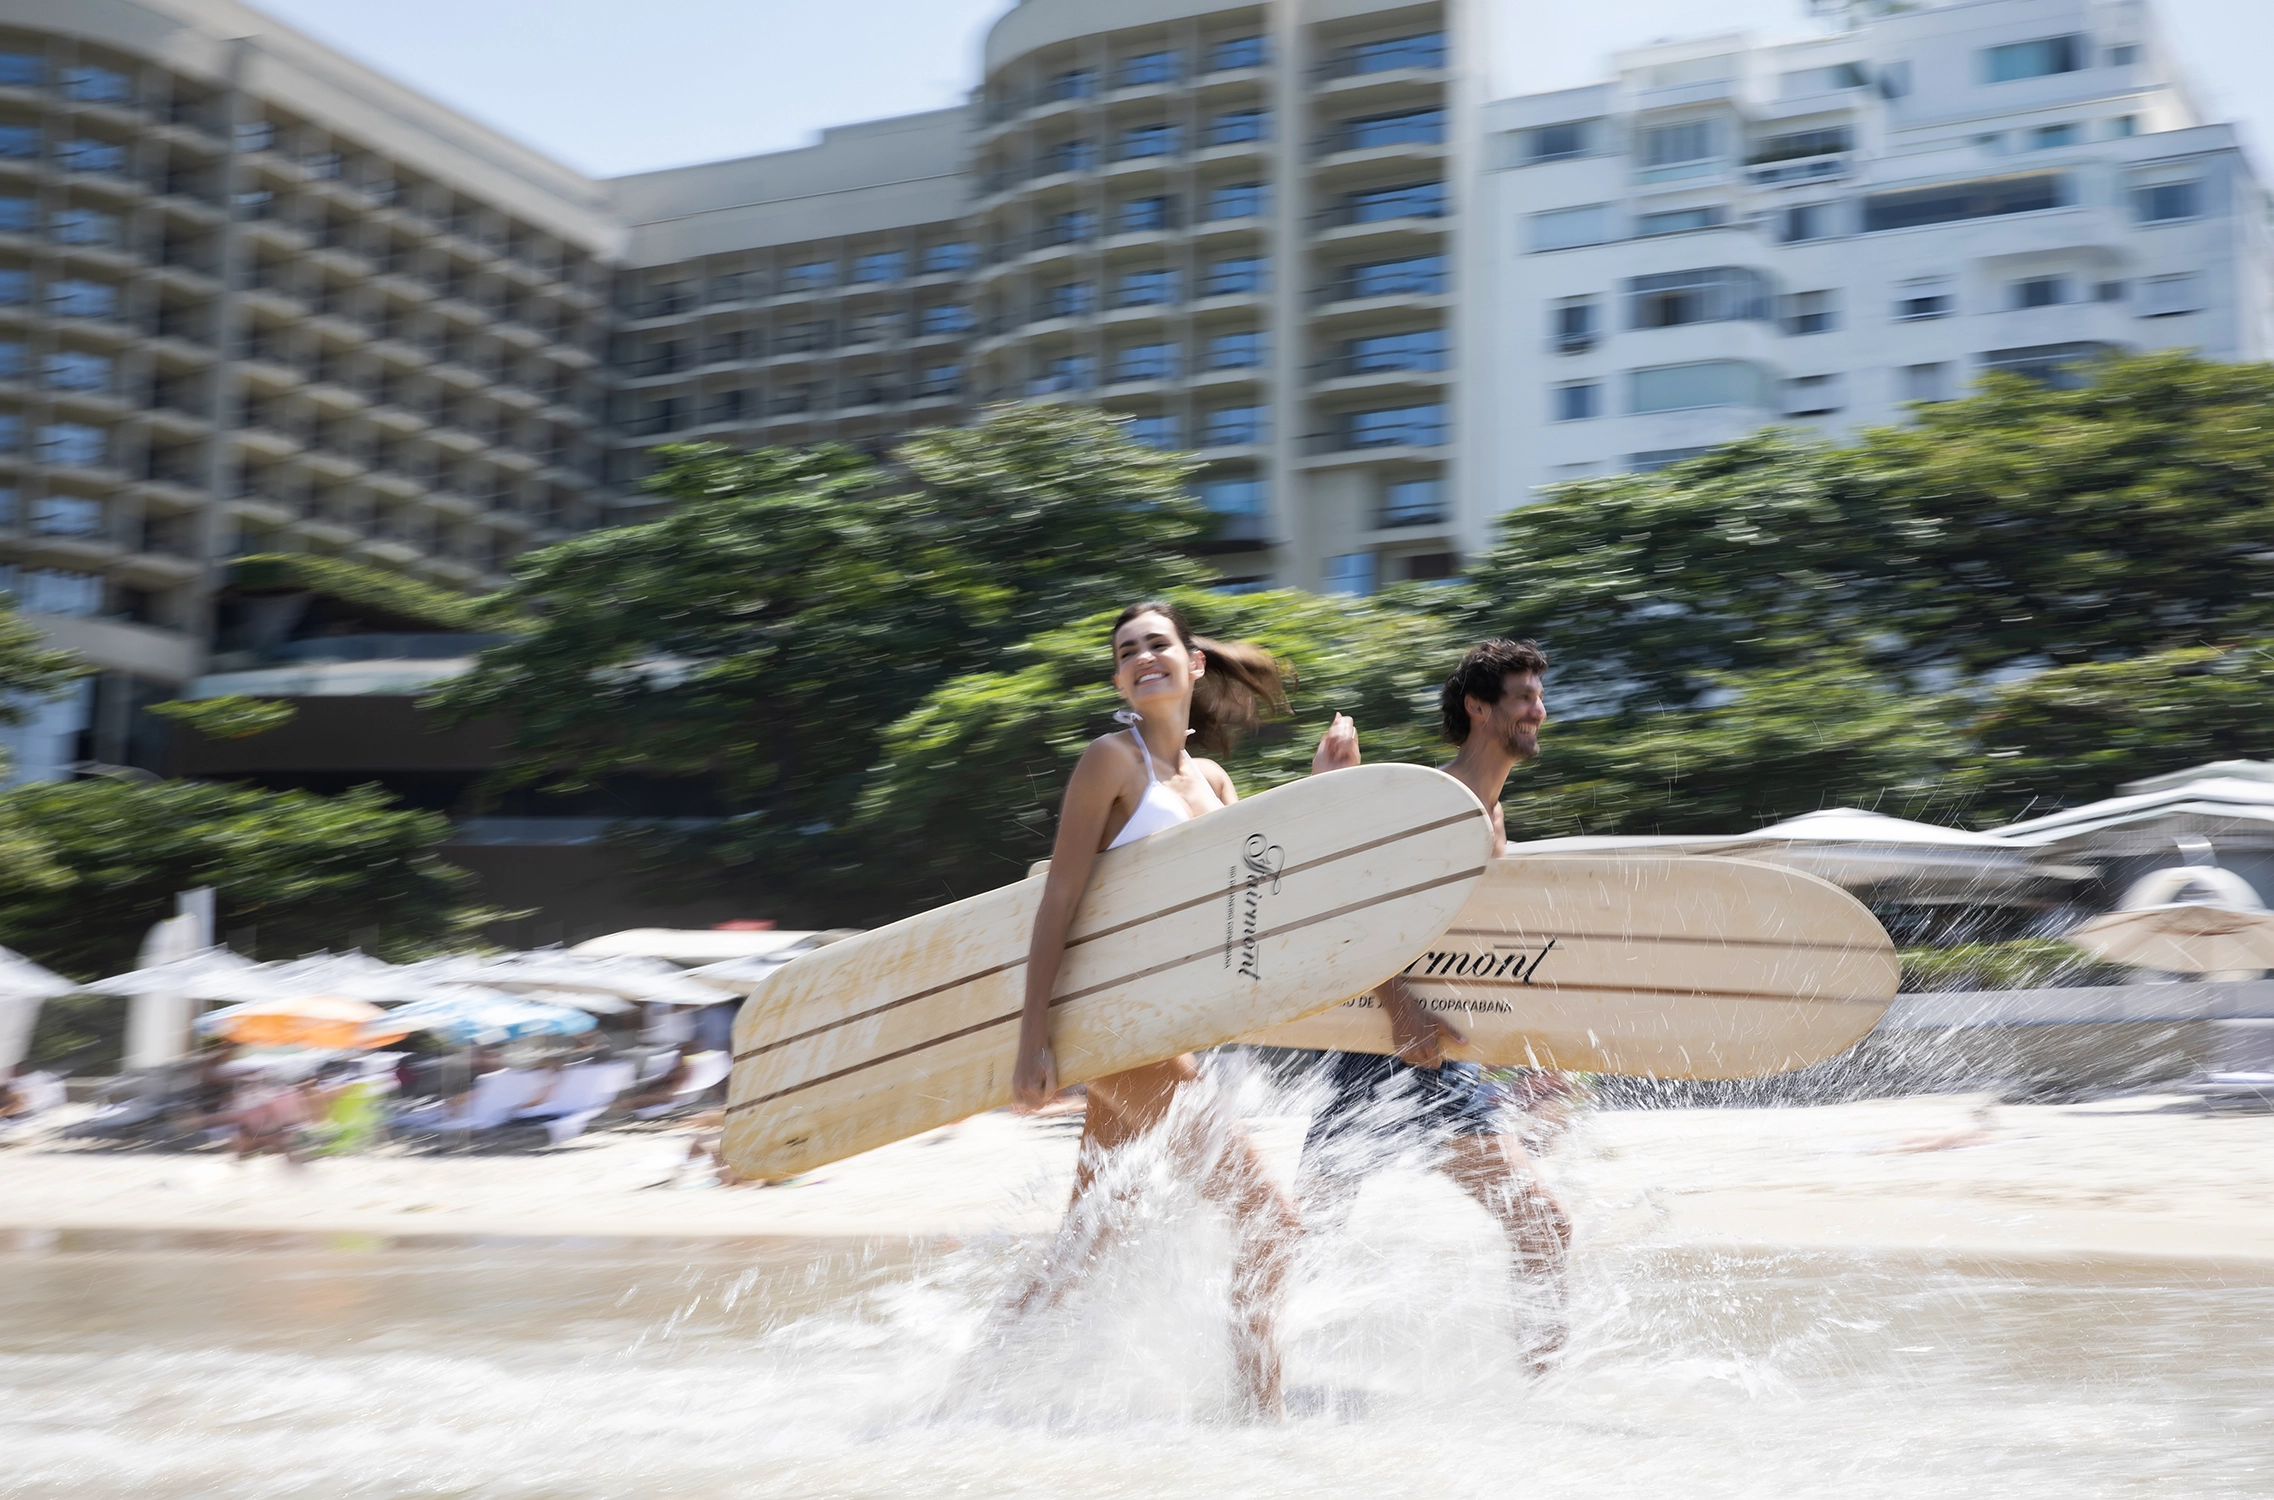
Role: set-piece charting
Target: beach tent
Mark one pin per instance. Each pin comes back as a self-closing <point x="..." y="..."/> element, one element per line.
<point x="475" y="1017"/>
<point x="23" y="986"/>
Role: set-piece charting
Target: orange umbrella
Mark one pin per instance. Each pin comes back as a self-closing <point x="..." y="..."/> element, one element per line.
<point x="325" y="1021"/>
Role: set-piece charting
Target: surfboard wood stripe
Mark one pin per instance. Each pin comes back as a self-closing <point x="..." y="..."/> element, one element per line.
<point x="1640" y="964"/>
<point x="1184" y="940"/>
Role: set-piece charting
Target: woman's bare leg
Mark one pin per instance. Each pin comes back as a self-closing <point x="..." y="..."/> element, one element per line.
<point x="1498" y="1173"/>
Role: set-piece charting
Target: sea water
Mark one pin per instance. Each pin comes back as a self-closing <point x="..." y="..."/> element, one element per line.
<point x="347" y="1367"/>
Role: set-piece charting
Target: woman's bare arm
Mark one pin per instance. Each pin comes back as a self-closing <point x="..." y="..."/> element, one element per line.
<point x="1090" y="794"/>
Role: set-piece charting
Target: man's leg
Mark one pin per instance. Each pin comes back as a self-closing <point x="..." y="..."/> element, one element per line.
<point x="1498" y="1173"/>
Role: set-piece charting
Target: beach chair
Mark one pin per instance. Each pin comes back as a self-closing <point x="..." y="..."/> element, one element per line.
<point x="583" y="1094"/>
<point x="2241" y="1071"/>
<point x="705" y="1071"/>
<point x="492" y="1102"/>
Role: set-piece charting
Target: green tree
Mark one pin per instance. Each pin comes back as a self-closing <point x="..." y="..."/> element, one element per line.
<point x="792" y="605"/>
<point x="29" y="671"/>
<point x="297" y="871"/>
<point x="231" y="717"/>
<point x="2022" y="527"/>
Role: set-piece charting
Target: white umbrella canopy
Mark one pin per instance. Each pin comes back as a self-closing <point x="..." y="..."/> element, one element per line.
<point x="350" y="976"/>
<point x="743" y="976"/>
<point x="2182" y="937"/>
<point x="216" y="974"/>
<point x="625" y="978"/>
<point x="21" y="979"/>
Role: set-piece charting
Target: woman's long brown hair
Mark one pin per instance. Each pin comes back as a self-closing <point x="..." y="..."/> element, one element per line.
<point x="1243" y="683"/>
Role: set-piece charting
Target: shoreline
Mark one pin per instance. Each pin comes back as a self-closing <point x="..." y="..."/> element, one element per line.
<point x="2139" y="1179"/>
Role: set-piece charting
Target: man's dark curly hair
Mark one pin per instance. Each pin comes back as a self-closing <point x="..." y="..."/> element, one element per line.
<point x="1483" y="675"/>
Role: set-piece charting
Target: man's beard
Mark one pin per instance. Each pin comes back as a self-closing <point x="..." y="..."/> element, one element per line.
<point x="1524" y="744"/>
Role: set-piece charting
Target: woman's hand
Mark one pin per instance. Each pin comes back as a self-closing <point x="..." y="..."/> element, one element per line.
<point x="1034" y="1079"/>
<point x="1338" y="747"/>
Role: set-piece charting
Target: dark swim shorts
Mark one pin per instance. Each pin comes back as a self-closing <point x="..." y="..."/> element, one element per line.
<point x="1377" y="1106"/>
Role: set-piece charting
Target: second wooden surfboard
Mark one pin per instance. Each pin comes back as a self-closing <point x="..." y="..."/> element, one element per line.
<point x="1649" y="965"/>
<point x="1199" y="934"/>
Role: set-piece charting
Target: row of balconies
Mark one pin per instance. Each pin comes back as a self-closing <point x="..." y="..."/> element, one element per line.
<point x="1418" y="58"/>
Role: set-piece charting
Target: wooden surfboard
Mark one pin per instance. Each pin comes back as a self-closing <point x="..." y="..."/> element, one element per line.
<point x="1650" y="965"/>
<point x="1199" y="934"/>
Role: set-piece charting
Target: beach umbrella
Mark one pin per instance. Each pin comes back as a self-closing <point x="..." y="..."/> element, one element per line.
<point x="214" y="975"/>
<point x="476" y="1017"/>
<point x="331" y="1022"/>
<point x="351" y="976"/>
<point x="21" y="978"/>
<point x="743" y="976"/>
<point x="2182" y="937"/>
<point x="625" y="978"/>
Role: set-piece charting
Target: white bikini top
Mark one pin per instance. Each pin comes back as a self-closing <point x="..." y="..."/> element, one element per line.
<point x="1159" y="808"/>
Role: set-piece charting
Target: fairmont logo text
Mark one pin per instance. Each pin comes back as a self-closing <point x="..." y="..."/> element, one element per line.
<point x="1447" y="963"/>
<point x="1254" y="877"/>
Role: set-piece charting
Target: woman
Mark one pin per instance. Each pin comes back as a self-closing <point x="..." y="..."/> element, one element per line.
<point x="1128" y="785"/>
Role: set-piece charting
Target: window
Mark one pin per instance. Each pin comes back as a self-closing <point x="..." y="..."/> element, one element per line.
<point x="1420" y="276"/>
<point x="2039" y="291"/>
<point x="1077" y="155"/>
<point x="22" y="70"/>
<point x="1926" y="382"/>
<point x="1572" y="325"/>
<point x="1235" y="351"/>
<point x="880" y="265"/>
<point x="1070" y="299"/>
<point x="808" y="275"/>
<point x="2109" y="291"/>
<point x="2170" y="296"/>
<point x="1719" y="382"/>
<point x="2123" y="56"/>
<point x="1413" y="502"/>
<point x="19" y="142"/>
<point x="1153" y="432"/>
<point x="1145" y="362"/>
<point x="1236" y="52"/>
<point x="1811" y="312"/>
<point x="1383" y="353"/>
<point x="1420" y="200"/>
<point x="1348" y="573"/>
<point x="1147" y="140"/>
<point x="1410" y="127"/>
<point x="1801" y="144"/>
<point x="1806" y="221"/>
<point x="1812" y="396"/>
<point x="15" y="288"/>
<point x="1680" y="220"/>
<point x="1068" y="372"/>
<point x="1919" y="300"/>
<point x="67" y="515"/>
<point x="1152" y="288"/>
<point x="2052" y="137"/>
<point x="949" y="255"/>
<point x="1825" y="80"/>
<point x="1577" y="402"/>
<point x="1394" y="427"/>
<point x="1141" y="214"/>
<point x="1150" y="68"/>
<point x="1235" y="126"/>
<point x="1566" y="228"/>
<point x="1232" y="497"/>
<point x="2060" y="366"/>
<point x="1238" y="276"/>
<point x="1239" y="200"/>
<point x="55" y="591"/>
<point x="1232" y="426"/>
<point x="2037" y="59"/>
<point x="1964" y="200"/>
<point x="1714" y="294"/>
<point x="2163" y="202"/>
<point x="11" y="432"/>
<point x="2123" y="127"/>
<point x="1652" y="461"/>
<point x="1560" y="142"/>
<point x="1075" y="83"/>
<point x="939" y="380"/>
<point x="1426" y="50"/>
<point x="945" y="317"/>
<point x="86" y="226"/>
<point x="1676" y="146"/>
<point x="73" y="444"/>
<point x="1071" y="228"/>
<point x="92" y="85"/>
<point x="77" y="370"/>
<point x="98" y="157"/>
<point x="19" y="215"/>
<point x="324" y="166"/>
<point x="255" y="135"/>
<point x="11" y="359"/>
<point x="81" y="299"/>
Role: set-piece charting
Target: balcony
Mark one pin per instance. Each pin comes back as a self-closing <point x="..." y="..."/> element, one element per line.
<point x="1808" y="169"/>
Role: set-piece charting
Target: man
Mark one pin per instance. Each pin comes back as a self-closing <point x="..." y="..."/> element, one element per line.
<point x="1381" y="1108"/>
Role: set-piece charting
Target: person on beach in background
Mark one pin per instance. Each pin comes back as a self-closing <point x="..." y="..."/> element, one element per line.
<point x="1128" y="785"/>
<point x="1379" y="1108"/>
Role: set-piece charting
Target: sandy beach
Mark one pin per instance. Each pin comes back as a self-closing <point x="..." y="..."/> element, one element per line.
<point x="2139" y="1176"/>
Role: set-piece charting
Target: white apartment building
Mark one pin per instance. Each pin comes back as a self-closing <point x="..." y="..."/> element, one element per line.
<point x="1822" y="232"/>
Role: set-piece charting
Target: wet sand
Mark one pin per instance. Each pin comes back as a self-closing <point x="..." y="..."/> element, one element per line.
<point x="2136" y="1177"/>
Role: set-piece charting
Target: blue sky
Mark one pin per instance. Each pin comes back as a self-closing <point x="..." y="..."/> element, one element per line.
<point x="613" y="87"/>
